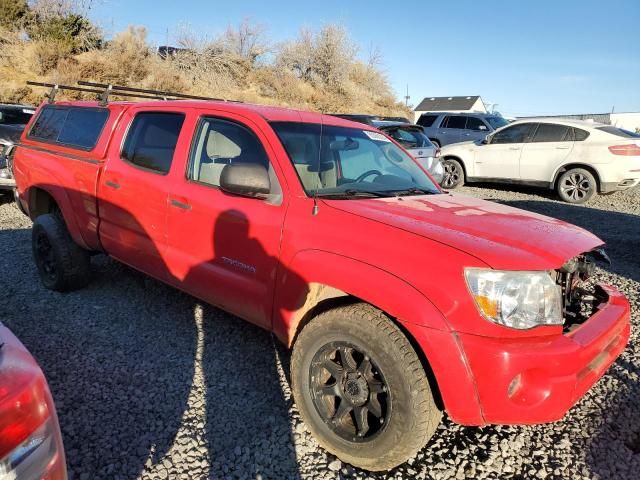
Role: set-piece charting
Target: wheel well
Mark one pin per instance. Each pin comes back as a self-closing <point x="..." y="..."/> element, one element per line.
<point x="565" y="168"/>
<point x="41" y="202"/>
<point x="331" y="303"/>
<point x="459" y="160"/>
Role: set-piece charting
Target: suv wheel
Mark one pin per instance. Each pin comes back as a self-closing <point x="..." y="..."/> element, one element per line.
<point x="453" y="174"/>
<point x="361" y="388"/>
<point x="576" y="185"/>
<point x="62" y="264"/>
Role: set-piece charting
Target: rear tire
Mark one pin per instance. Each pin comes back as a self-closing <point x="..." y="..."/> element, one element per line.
<point x="453" y="174"/>
<point x="361" y="388"/>
<point x="62" y="264"/>
<point x="576" y="185"/>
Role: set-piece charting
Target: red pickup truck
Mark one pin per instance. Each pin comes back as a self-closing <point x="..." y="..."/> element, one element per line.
<point x="399" y="300"/>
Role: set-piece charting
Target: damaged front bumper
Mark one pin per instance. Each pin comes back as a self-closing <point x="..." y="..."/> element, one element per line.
<point x="538" y="379"/>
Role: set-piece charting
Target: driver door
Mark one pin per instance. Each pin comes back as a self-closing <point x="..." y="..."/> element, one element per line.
<point x="501" y="157"/>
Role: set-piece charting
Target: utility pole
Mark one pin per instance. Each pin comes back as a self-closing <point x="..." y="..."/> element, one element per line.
<point x="167" y="44"/>
<point x="407" y="97"/>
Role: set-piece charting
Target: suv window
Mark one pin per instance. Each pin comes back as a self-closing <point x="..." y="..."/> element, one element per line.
<point x="409" y="137"/>
<point x="75" y="127"/>
<point x="515" y="134"/>
<point x="15" y="115"/>
<point x="427" y="120"/>
<point x="152" y="139"/>
<point x="219" y="143"/>
<point x="551" y="132"/>
<point x="454" y="121"/>
<point x="474" y="123"/>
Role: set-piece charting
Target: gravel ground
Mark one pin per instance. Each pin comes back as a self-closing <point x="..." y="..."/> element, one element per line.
<point x="151" y="384"/>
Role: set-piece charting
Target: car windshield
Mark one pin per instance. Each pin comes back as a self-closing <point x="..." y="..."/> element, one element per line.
<point x="496" y="122"/>
<point x="343" y="162"/>
<point x="409" y="137"/>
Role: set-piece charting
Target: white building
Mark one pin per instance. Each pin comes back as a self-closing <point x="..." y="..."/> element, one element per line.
<point x="450" y="104"/>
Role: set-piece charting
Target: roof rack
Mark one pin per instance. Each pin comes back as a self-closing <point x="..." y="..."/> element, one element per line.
<point x="104" y="90"/>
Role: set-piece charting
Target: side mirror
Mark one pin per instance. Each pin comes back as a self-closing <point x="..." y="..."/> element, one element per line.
<point x="246" y="180"/>
<point x="486" y="140"/>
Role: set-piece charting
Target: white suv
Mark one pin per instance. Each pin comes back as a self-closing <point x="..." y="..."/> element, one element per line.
<point x="574" y="157"/>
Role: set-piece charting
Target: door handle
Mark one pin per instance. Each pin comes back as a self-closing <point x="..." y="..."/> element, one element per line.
<point x="563" y="147"/>
<point x="111" y="184"/>
<point x="178" y="204"/>
<point x="514" y="148"/>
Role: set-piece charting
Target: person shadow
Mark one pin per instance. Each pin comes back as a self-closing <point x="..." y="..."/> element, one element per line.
<point x="154" y="383"/>
<point x="237" y="420"/>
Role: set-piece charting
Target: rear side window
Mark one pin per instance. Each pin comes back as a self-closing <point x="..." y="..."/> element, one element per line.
<point x="579" y="135"/>
<point x="152" y="139"/>
<point x="455" y="121"/>
<point x="75" y="127"/>
<point x="549" y="132"/>
<point x="427" y="120"/>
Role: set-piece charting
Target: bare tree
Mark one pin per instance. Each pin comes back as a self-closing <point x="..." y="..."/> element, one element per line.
<point x="248" y="40"/>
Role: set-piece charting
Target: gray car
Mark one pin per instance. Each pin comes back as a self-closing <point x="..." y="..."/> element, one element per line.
<point x="413" y="139"/>
<point x="444" y="128"/>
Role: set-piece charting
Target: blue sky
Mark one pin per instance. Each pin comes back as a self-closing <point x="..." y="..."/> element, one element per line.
<point x="529" y="57"/>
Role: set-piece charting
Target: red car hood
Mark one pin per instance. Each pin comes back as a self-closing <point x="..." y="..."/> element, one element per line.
<point x="501" y="236"/>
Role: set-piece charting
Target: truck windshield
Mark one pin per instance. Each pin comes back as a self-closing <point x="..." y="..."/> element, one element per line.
<point x="343" y="162"/>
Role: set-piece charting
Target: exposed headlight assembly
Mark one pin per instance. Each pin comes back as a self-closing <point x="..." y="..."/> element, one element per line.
<point x="519" y="300"/>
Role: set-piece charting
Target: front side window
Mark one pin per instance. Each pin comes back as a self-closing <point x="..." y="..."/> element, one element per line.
<point x="550" y="132"/>
<point x="344" y="162"/>
<point x="219" y="143"/>
<point x="455" y="121"/>
<point x="152" y="139"/>
<point x="75" y="127"/>
<point x="515" y="134"/>
<point x="474" y="123"/>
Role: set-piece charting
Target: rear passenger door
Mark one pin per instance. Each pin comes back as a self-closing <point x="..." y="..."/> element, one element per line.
<point x="134" y="187"/>
<point x="224" y="248"/>
<point x="451" y="129"/>
<point x="550" y="145"/>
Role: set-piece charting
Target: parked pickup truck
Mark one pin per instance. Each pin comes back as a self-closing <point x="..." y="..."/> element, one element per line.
<point x="399" y="300"/>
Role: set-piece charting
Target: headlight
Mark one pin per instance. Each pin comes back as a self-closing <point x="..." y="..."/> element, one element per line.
<point x="518" y="300"/>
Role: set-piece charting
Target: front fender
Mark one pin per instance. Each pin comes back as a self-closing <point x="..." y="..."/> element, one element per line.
<point x="416" y="314"/>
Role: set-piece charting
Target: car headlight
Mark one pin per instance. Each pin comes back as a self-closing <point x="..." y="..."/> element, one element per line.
<point x="519" y="300"/>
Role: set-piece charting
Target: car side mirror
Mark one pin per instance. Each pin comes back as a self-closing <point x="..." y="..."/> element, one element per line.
<point x="486" y="140"/>
<point x="245" y="180"/>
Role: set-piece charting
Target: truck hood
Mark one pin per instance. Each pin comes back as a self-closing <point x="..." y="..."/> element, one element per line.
<point x="503" y="237"/>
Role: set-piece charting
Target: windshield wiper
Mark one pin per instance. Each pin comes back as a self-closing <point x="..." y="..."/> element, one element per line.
<point x="414" y="191"/>
<point x="353" y="192"/>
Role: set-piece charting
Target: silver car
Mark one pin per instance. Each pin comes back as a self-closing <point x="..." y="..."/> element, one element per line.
<point x="413" y="139"/>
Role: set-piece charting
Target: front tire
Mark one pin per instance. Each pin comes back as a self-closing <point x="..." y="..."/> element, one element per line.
<point x="361" y="388"/>
<point x="453" y="174"/>
<point x="576" y="185"/>
<point x="62" y="264"/>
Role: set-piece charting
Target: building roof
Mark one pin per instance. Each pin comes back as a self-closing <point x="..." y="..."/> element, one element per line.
<point x="440" y="104"/>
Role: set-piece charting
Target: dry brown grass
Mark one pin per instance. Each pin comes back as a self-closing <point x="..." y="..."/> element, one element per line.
<point x="232" y="66"/>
